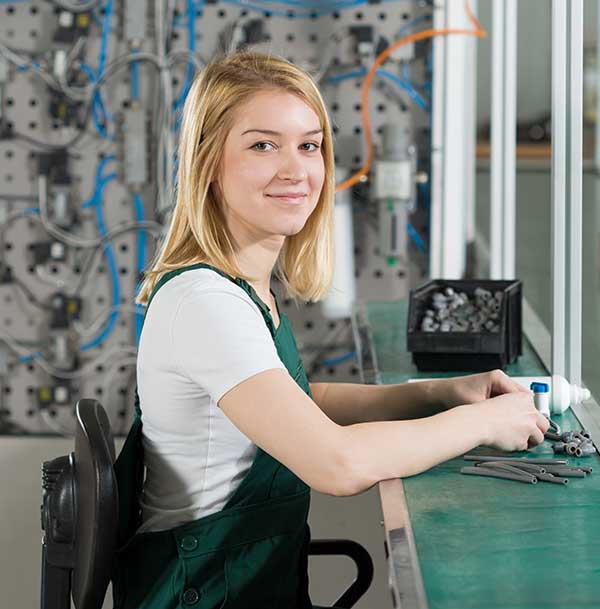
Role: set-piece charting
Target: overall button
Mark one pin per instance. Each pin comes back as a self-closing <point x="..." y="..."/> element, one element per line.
<point x="191" y="596"/>
<point x="189" y="543"/>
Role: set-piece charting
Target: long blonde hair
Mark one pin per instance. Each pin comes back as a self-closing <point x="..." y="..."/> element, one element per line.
<point x="198" y="231"/>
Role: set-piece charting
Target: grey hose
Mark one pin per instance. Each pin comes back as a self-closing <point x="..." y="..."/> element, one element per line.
<point x="551" y="478"/>
<point x="525" y="460"/>
<point x="520" y="467"/>
<point x="490" y="473"/>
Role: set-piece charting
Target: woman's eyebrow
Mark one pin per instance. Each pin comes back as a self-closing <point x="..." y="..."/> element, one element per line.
<point x="270" y="132"/>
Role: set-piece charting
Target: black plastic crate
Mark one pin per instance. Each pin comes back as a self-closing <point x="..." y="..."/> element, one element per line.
<point x="466" y="351"/>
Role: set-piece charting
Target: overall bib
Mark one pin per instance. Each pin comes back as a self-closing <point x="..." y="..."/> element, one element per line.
<point x="253" y="554"/>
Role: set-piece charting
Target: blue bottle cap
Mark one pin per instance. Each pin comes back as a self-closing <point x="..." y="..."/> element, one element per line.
<point x="539" y="387"/>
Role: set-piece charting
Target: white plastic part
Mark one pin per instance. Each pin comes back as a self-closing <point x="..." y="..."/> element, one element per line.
<point x="66" y="19"/>
<point x="57" y="250"/>
<point x="393" y="179"/>
<point x="542" y="402"/>
<point x="60" y="63"/>
<point x="563" y="395"/>
<point x="61" y="394"/>
<point x="340" y="299"/>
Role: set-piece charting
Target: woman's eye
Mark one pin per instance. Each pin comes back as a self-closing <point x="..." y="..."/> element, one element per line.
<point x="260" y="146"/>
<point x="264" y="146"/>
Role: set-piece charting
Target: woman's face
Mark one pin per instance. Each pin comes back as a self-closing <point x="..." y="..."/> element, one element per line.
<point x="272" y="170"/>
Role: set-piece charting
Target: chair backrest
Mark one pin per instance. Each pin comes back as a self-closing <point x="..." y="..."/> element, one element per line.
<point x="80" y="520"/>
<point x="80" y="515"/>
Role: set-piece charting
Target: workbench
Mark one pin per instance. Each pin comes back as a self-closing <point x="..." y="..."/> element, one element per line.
<point x="458" y="542"/>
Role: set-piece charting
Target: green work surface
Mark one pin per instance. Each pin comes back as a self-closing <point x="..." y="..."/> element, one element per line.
<point x="485" y="542"/>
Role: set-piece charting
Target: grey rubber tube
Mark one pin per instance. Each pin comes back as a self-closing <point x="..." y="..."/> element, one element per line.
<point x="491" y="473"/>
<point x="551" y="478"/>
<point x="550" y="435"/>
<point x="513" y="468"/>
<point x="566" y="473"/>
<point x="528" y="467"/>
<point x="555" y="427"/>
<point x="523" y="459"/>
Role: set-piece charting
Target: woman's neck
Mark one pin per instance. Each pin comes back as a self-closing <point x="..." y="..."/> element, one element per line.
<point x="257" y="259"/>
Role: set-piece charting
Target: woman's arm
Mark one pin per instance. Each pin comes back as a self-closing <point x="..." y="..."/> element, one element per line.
<point x="349" y="403"/>
<point x="274" y="412"/>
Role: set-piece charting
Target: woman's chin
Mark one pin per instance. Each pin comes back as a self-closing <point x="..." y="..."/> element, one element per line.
<point x="293" y="229"/>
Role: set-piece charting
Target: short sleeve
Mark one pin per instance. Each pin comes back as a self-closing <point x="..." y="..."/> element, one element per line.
<point x="219" y="339"/>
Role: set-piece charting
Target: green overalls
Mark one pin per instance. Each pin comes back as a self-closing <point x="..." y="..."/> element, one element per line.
<point x="253" y="554"/>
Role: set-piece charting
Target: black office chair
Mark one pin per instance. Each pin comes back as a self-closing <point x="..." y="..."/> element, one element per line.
<point x="80" y="516"/>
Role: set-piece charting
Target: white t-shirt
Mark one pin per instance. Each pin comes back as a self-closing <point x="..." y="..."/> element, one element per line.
<point x="202" y="336"/>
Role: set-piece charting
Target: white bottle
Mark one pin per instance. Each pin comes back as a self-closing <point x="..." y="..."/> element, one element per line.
<point x="563" y="395"/>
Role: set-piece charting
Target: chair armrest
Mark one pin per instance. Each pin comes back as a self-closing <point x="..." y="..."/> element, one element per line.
<point x="360" y="556"/>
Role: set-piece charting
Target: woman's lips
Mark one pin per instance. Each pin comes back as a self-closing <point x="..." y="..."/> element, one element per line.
<point x="294" y="200"/>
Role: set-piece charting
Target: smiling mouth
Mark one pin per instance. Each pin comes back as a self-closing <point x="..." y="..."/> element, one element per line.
<point x="295" y="200"/>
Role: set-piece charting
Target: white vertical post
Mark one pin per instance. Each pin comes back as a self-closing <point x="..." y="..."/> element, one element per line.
<point x="503" y="142"/>
<point x="559" y="190"/>
<point x="437" y="130"/>
<point x="597" y="80"/>
<point x="575" y="203"/>
<point x="567" y="171"/>
<point x="448" y="166"/>
<point x="471" y="131"/>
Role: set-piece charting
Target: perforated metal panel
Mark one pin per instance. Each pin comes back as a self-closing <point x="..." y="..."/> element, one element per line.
<point x="109" y="367"/>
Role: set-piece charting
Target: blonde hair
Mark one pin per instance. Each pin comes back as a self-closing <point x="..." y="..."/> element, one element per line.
<point x="198" y="231"/>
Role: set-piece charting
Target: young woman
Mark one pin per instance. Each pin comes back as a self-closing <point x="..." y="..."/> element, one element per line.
<point x="234" y="435"/>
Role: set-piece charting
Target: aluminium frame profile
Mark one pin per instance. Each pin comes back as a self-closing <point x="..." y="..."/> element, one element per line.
<point x="452" y="132"/>
<point x="567" y="172"/>
<point x="503" y="141"/>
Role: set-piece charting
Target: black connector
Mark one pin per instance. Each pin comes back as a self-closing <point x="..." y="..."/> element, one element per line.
<point x="79" y="27"/>
<point x="362" y="33"/>
<point x="55" y="166"/>
<point x="382" y="45"/>
<point x="52" y="162"/>
<point x="64" y="310"/>
<point x="45" y="251"/>
<point x="41" y="252"/>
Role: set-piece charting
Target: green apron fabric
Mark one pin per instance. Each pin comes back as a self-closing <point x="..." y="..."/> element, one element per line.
<point x="251" y="554"/>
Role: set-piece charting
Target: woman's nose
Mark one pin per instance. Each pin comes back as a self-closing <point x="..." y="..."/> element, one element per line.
<point x="292" y="167"/>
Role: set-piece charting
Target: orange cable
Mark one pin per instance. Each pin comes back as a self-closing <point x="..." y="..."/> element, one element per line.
<point x="479" y="32"/>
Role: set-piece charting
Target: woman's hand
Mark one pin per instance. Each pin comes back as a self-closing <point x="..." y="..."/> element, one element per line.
<point x="476" y="388"/>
